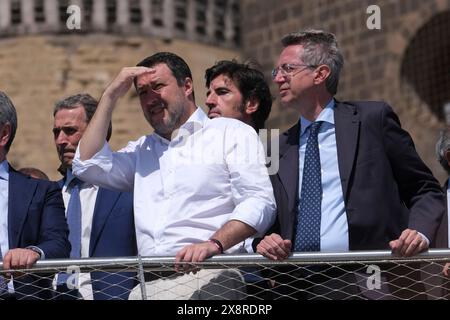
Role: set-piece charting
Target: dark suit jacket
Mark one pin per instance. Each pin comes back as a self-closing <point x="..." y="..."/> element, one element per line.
<point x="442" y="233"/>
<point x="112" y="235"/>
<point x="385" y="184"/>
<point x="36" y="218"/>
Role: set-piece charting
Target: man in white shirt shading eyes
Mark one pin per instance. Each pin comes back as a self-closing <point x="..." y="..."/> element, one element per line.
<point x="200" y="186"/>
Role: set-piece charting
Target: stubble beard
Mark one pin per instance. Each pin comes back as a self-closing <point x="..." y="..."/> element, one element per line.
<point x="165" y="128"/>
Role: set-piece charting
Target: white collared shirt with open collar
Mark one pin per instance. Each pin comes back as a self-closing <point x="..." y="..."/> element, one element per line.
<point x="186" y="189"/>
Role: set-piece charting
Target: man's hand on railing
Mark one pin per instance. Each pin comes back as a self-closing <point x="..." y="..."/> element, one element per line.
<point x="446" y="270"/>
<point x="274" y="247"/>
<point x="20" y="259"/>
<point x="409" y="243"/>
<point x="194" y="253"/>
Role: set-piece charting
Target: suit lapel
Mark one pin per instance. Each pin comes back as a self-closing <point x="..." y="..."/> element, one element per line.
<point x="347" y="135"/>
<point x="61" y="182"/>
<point x="289" y="163"/>
<point x="20" y="193"/>
<point x="104" y="204"/>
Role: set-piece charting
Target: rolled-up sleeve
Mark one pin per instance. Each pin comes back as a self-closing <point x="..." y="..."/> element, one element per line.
<point x="107" y="169"/>
<point x="250" y="184"/>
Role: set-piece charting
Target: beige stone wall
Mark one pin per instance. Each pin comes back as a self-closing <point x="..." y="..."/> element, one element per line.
<point x="37" y="71"/>
<point x="372" y="57"/>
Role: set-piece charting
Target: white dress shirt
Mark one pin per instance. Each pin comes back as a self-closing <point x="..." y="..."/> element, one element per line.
<point x="186" y="189"/>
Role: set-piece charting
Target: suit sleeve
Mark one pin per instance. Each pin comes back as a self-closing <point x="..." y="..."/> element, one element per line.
<point x="418" y="188"/>
<point x="53" y="233"/>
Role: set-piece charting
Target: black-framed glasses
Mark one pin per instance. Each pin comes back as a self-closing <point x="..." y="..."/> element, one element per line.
<point x="288" y="69"/>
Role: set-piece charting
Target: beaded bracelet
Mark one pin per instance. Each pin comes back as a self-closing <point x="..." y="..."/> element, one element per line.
<point x="218" y="244"/>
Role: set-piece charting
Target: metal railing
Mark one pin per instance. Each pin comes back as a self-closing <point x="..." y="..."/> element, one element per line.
<point x="340" y="275"/>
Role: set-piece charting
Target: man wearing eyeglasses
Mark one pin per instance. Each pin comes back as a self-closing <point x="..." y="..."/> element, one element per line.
<point x="350" y="177"/>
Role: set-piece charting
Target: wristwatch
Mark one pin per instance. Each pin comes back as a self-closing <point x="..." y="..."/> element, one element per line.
<point x="35" y="249"/>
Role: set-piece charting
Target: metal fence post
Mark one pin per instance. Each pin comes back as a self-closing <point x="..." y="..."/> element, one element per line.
<point x="142" y="278"/>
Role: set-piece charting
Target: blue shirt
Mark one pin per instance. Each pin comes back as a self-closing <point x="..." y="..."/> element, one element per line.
<point x="4" y="179"/>
<point x="334" y="226"/>
<point x="4" y="186"/>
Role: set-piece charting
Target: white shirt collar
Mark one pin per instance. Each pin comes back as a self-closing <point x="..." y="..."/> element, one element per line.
<point x="195" y="122"/>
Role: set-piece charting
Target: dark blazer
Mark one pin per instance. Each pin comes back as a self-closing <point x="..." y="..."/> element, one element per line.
<point x="36" y="218"/>
<point x="386" y="186"/>
<point x="442" y="233"/>
<point x="112" y="235"/>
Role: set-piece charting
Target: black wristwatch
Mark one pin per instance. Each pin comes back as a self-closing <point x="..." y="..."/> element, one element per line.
<point x="35" y="249"/>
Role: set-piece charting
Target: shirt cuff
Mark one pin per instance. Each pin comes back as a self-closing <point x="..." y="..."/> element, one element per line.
<point x="38" y="250"/>
<point x="102" y="159"/>
<point x="424" y="238"/>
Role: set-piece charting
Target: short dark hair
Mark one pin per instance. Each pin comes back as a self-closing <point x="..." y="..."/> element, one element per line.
<point x="175" y="63"/>
<point x="8" y="114"/>
<point x="84" y="100"/>
<point x="249" y="81"/>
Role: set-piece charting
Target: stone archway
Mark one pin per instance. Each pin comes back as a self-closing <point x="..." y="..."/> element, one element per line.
<point x="426" y="63"/>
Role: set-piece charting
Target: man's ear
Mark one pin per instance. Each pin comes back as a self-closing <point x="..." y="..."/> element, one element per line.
<point x="188" y="87"/>
<point x="447" y="156"/>
<point x="322" y="73"/>
<point x="252" y="105"/>
<point x="5" y="134"/>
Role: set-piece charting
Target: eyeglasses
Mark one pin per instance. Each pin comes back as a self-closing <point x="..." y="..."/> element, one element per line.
<point x="288" y="69"/>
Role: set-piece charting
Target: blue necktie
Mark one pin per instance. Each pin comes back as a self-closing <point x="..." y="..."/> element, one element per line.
<point x="74" y="218"/>
<point x="74" y="222"/>
<point x="307" y="237"/>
